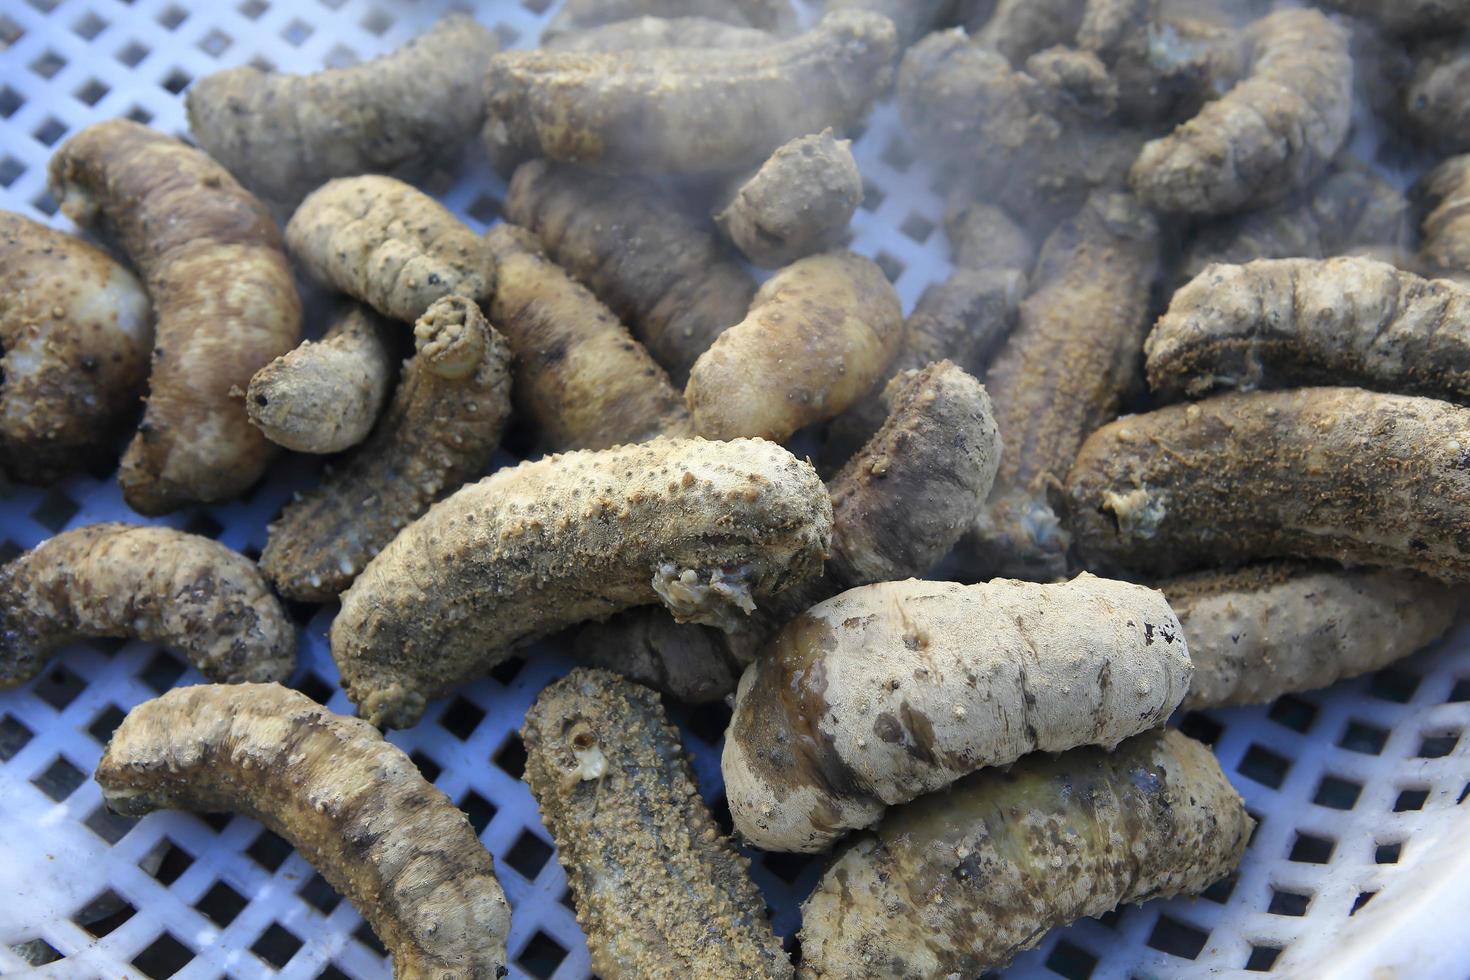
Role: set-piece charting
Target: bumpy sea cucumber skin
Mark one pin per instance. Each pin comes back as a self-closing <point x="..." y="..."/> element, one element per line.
<point x="1270" y="135"/>
<point x="1066" y="369"/>
<point x="890" y="691"/>
<point x="1273" y="628"/>
<point x="818" y="335"/>
<point x="283" y="136"/>
<point x="798" y="203"/>
<point x="324" y="397"/>
<point x="388" y="244"/>
<point x="959" y="882"/>
<point x="659" y="891"/>
<point x="1290" y="322"/>
<point x="649" y="33"/>
<point x="1354" y="476"/>
<point x="222" y="293"/>
<point x="355" y="806"/>
<point x="1409" y="17"/>
<point x="1445" y="247"/>
<point x="442" y="429"/>
<point x="76" y="328"/>
<point x="671" y="280"/>
<point x="580" y="375"/>
<point x="1434" y="100"/>
<point x="707" y="528"/>
<point x="898" y="506"/>
<point x="155" y="584"/>
<point x="578" y="15"/>
<point x="687" y="111"/>
<point x="1348" y="211"/>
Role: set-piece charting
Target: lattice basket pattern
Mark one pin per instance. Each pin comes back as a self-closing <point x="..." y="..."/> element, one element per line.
<point x="1358" y="789"/>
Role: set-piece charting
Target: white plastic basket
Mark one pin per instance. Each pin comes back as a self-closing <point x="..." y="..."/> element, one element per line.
<point x="1358" y="789"/>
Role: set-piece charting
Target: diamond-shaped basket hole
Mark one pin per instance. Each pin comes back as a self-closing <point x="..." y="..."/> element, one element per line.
<point x="1392" y="684"/>
<point x="873" y="196"/>
<point x="320" y="895"/>
<point x="365" y="935"/>
<point x="1337" y="793"/>
<point x="44" y="6"/>
<point x="36" y="952"/>
<point x="140" y="115"/>
<point x="541" y="956"/>
<point x="269" y="850"/>
<point x="132" y="54"/>
<point x="10" y="31"/>
<point x="528" y="855"/>
<point x="1262" y="958"/>
<point x="461" y="718"/>
<point x="215" y="43"/>
<point x="426" y="764"/>
<point x="1410" y="799"/>
<point x="507" y="670"/>
<point x="1460" y="692"/>
<point x="892" y="267"/>
<point x="10" y="101"/>
<point x="162" y="672"/>
<point x="176" y="81"/>
<point x="1288" y="903"/>
<point x="1293" y="712"/>
<point x="377" y="22"/>
<point x="252" y="9"/>
<point x="59" y="686"/>
<point x="93" y="92"/>
<point x="341" y="56"/>
<point x="296" y="32"/>
<point x="1201" y="727"/>
<point x="315" y="688"/>
<point x="1177" y="938"/>
<point x="917" y="227"/>
<point x="1070" y="961"/>
<point x="276" y="945"/>
<point x="511" y="756"/>
<point x="56" y="508"/>
<point x="172" y="16"/>
<point x="202" y="524"/>
<point x="48" y="64"/>
<point x="506" y="35"/>
<point x="479" y="810"/>
<point x="163" y="957"/>
<point x="898" y="154"/>
<point x="111" y="827"/>
<point x="45" y="203"/>
<point x="172" y="863"/>
<point x="484" y="209"/>
<point x="537" y="6"/>
<point x="1310" y="849"/>
<point x="104" y="913"/>
<point x="1388" y="853"/>
<point x="221" y="904"/>
<point x="1220" y="891"/>
<point x="1361" y="737"/>
<point x="14" y="736"/>
<point x="787" y="867"/>
<point x="89" y="26"/>
<point x="1363" y="899"/>
<point x="1437" y="746"/>
<point x="1264" y="766"/>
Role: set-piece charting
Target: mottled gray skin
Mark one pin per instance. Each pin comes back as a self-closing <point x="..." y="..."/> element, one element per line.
<point x="666" y="276"/>
<point x="958" y="883"/>
<point x="1066" y="369"/>
<point x="443" y="427"/>
<point x="285" y="135"/>
<point x="688" y="111"/>
<point x="1017" y="29"/>
<point x="76" y="329"/>
<point x="155" y="584"/>
<point x="355" y="806"/>
<point x="324" y="397"/>
<point x="1014" y="138"/>
<point x="1408" y="17"/>
<point x="1270" y="135"/>
<point x="1445" y="245"/>
<point x="659" y="891"/>
<point x="1437" y="99"/>
<point x="1280" y="323"/>
<point x="1269" y="629"/>
<point x="648" y="33"/>
<point x="1348" y="210"/>
<point x="798" y="203"/>
<point x="899" y="506"/>
<point x="395" y="248"/>
<point x="578" y="15"/>
<point x="1354" y="476"/>
<point x="706" y="528"/>
<point x="983" y="236"/>
<point x="890" y="691"/>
